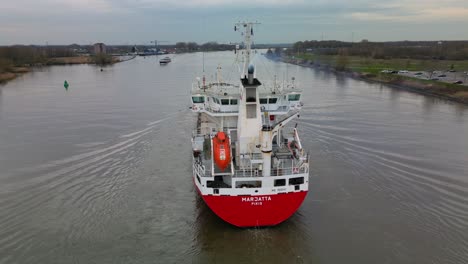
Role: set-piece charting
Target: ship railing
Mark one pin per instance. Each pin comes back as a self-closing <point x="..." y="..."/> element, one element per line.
<point x="210" y="109"/>
<point x="289" y="89"/>
<point x="289" y="171"/>
<point x="197" y="133"/>
<point x="280" y="109"/>
<point x="214" y="88"/>
<point x="217" y="110"/>
<point x="252" y="156"/>
<point x="201" y="171"/>
<point x="279" y="88"/>
<point x="274" y="172"/>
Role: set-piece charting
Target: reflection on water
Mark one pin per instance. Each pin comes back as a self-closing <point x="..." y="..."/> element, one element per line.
<point x="394" y="93"/>
<point x="101" y="173"/>
<point x="460" y="111"/>
<point x="1" y="101"/>
<point x="219" y="242"/>
<point x="341" y="80"/>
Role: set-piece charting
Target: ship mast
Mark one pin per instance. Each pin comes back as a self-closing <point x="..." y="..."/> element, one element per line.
<point x="248" y="27"/>
<point x="249" y="119"/>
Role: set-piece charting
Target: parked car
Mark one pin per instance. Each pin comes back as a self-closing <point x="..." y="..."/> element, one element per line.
<point x="403" y="71"/>
<point x="418" y="73"/>
<point x="457" y="82"/>
<point x="386" y="71"/>
<point x="442" y="75"/>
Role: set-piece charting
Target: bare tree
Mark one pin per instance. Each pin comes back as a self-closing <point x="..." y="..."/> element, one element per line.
<point x="342" y="60"/>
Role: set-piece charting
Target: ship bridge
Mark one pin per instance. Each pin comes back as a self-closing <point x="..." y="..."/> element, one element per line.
<point x="222" y="99"/>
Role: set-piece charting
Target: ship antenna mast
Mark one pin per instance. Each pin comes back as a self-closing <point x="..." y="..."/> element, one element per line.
<point x="248" y="33"/>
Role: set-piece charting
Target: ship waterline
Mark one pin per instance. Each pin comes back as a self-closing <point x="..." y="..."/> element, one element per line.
<point x="255" y="211"/>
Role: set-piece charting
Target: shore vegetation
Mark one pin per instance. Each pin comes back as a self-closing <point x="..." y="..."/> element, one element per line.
<point x="410" y="65"/>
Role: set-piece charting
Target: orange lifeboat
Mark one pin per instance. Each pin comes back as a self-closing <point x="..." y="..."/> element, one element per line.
<point x="221" y="151"/>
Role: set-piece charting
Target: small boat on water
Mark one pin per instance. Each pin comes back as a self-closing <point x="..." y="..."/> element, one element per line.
<point x="165" y="60"/>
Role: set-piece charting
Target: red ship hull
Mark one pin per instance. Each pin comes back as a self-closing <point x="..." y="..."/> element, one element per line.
<point x="255" y="211"/>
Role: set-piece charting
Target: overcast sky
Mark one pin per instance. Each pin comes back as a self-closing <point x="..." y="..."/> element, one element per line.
<point x="283" y="21"/>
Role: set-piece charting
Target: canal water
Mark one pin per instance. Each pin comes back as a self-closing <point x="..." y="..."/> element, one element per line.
<point x="101" y="172"/>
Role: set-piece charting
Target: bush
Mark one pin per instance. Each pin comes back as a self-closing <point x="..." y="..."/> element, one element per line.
<point x="102" y="59"/>
<point x="5" y="65"/>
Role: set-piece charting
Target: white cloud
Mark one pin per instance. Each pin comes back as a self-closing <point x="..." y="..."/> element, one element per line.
<point x="414" y="11"/>
<point x="29" y="21"/>
<point x="422" y="15"/>
<point x="56" y="6"/>
<point x="211" y="3"/>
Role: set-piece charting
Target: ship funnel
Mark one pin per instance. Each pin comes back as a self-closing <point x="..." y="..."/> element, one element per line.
<point x="250" y="72"/>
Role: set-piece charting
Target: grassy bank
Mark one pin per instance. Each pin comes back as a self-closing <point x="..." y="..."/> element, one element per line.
<point x="371" y="65"/>
<point x="449" y="91"/>
<point x="370" y="69"/>
<point x="69" y="60"/>
<point x="8" y="71"/>
<point x="97" y="59"/>
<point x="6" y="76"/>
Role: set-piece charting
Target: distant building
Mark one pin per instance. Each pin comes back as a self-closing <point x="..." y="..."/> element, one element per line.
<point x="99" y="48"/>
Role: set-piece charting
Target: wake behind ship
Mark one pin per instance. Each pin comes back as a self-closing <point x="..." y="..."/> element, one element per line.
<point x="248" y="166"/>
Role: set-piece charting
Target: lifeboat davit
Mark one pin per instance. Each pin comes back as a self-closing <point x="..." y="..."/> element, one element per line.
<point x="221" y="151"/>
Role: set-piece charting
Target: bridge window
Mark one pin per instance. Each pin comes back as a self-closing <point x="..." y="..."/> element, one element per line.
<point x="296" y="181"/>
<point x="280" y="182"/>
<point x="198" y="99"/>
<point x="233" y="101"/>
<point x="225" y="101"/>
<point x="294" y="97"/>
<point x="263" y="100"/>
<point x="272" y="100"/>
<point x="248" y="184"/>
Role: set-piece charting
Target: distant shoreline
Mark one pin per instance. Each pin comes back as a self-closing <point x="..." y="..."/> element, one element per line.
<point x="12" y="74"/>
<point x="455" y="93"/>
<point x="15" y="72"/>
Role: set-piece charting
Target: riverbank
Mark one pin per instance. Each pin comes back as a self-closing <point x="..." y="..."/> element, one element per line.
<point x="69" y="60"/>
<point x="371" y="70"/>
<point x="11" y="73"/>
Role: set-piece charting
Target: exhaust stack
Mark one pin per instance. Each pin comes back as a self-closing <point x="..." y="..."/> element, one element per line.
<point x="250" y="73"/>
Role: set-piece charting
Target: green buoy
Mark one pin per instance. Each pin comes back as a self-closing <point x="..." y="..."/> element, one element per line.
<point x="65" y="84"/>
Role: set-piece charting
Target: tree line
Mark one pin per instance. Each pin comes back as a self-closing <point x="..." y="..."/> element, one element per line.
<point x="19" y="55"/>
<point x="435" y="50"/>
<point x="193" y="46"/>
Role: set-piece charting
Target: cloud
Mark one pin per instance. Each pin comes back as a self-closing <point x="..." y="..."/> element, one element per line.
<point x="31" y="7"/>
<point x="64" y="21"/>
<point x="210" y="3"/>
<point x="416" y="16"/>
<point x="417" y="11"/>
<point x="445" y="14"/>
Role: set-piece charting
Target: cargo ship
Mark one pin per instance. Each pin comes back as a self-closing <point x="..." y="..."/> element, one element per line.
<point x="249" y="165"/>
